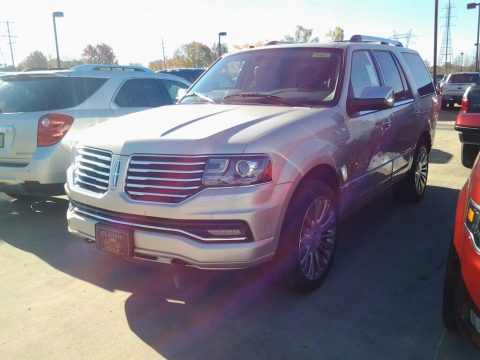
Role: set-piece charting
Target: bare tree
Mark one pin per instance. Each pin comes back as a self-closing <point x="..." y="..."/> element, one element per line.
<point x="36" y="60"/>
<point x="99" y="54"/>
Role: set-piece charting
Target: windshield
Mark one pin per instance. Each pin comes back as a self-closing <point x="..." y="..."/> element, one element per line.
<point x="280" y="76"/>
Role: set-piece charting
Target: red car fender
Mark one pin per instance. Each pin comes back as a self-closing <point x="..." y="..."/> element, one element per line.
<point x="468" y="120"/>
<point x="469" y="258"/>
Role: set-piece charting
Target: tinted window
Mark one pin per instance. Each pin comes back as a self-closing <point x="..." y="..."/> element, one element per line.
<point x="172" y="88"/>
<point x="25" y="93"/>
<point x="143" y="93"/>
<point x="363" y="73"/>
<point x="392" y="75"/>
<point x="464" y="78"/>
<point x="422" y="78"/>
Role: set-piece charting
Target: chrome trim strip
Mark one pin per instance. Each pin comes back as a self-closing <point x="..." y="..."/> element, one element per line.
<point x="162" y="187"/>
<point x="79" y="166"/>
<point x="161" y="179"/>
<point x="92" y="154"/>
<point x="138" y="162"/>
<point x="166" y="171"/>
<point x="98" y="217"/>
<point x="79" y="173"/>
<point x="99" y="164"/>
<point x="154" y="194"/>
<point x="77" y="180"/>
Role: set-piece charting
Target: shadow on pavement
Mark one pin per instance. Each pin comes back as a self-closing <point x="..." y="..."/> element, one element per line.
<point x="381" y="300"/>
<point x="439" y="156"/>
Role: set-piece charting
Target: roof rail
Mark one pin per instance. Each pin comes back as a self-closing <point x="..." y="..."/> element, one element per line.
<point x="109" y="67"/>
<point x="374" y="39"/>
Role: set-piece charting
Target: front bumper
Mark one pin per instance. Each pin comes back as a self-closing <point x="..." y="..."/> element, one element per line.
<point x="166" y="233"/>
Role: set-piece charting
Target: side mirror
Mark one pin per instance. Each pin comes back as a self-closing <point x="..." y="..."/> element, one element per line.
<point x="373" y="98"/>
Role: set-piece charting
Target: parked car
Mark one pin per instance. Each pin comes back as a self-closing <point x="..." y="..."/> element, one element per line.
<point x="467" y="124"/>
<point x="42" y="112"/>
<point x="439" y="80"/>
<point x="454" y="86"/>
<point x="461" y="291"/>
<point x="189" y="74"/>
<point x="260" y="159"/>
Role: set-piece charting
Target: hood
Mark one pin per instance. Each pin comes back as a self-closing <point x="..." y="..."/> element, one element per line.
<point x="190" y="129"/>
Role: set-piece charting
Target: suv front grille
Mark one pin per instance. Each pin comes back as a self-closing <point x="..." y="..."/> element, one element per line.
<point x="165" y="179"/>
<point x="92" y="169"/>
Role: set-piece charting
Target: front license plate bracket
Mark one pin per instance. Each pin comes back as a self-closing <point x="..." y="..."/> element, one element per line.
<point x="114" y="240"/>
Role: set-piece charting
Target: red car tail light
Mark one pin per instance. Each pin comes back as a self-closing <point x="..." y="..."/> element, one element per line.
<point x="464" y="107"/>
<point x="52" y="128"/>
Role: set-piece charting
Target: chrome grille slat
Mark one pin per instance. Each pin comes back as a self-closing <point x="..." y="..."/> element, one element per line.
<point x="166" y="163"/>
<point x="92" y="169"/>
<point x="168" y="171"/>
<point x="164" y="178"/>
<point x="146" y="178"/>
<point x="163" y="187"/>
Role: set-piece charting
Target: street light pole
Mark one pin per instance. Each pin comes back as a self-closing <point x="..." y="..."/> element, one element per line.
<point x="223" y="33"/>
<point x="461" y="65"/>
<point x="55" y="15"/>
<point x="473" y="6"/>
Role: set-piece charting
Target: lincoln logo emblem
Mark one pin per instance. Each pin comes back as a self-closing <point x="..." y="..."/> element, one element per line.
<point x="116" y="174"/>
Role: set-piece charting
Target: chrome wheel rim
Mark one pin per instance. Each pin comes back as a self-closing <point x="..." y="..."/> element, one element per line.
<point x="421" y="170"/>
<point x="317" y="238"/>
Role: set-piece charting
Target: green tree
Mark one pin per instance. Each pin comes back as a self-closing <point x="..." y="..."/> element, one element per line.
<point x="336" y="34"/>
<point x="99" y="54"/>
<point x="36" y="60"/>
<point x="303" y="35"/>
<point x="156" y="65"/>
<point x="194" y="54"/>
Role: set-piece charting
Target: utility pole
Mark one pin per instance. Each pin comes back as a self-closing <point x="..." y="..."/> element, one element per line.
<point x="164" y="60"/>
<point x="10" y="41"/>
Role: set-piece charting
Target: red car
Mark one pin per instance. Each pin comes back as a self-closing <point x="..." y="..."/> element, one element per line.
<point x="461" y="293"/>
<point x="468" y="125"/>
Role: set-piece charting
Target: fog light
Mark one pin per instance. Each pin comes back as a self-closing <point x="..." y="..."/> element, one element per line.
<point x="225" y="232"/>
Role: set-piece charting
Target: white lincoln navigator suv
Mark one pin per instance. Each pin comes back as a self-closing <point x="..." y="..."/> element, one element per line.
<point x="259" y="160"/>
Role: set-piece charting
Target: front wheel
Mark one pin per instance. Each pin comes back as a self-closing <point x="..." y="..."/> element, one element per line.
<point x="412" y="187"/>
<point x="308" y="237"/>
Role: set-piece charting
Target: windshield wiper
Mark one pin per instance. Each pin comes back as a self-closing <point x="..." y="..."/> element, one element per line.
<point x="264" y="98"/>
<point x="201" y="96"/>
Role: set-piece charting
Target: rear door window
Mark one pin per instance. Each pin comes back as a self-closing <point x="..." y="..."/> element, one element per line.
<point x="25" y="93"/>
<point x="393" y="75"/>
<point x="421" y="76"/>
<point x="143" y="93"/>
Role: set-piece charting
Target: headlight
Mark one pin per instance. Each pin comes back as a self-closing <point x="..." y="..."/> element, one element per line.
<point x="472" y="220"/>
<point x="237" y="170"/>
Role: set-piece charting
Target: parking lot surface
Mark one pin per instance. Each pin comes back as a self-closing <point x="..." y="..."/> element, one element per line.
<point x="63" y="299"/>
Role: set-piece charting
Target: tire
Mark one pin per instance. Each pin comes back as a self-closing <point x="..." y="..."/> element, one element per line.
<point x="448" y="304"/>
<point x="412" y="187"/>
<point x="451" y="105"/>
<point x="22" y="197"/>
<point x="308" y="237"/>
<point x="444" y="105"/>
<point x="469" y="154"/>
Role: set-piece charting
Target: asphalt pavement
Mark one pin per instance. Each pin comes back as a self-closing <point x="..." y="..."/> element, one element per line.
<point x="63" y="299"/>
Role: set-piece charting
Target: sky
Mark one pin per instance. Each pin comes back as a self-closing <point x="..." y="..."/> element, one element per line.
<point x="135" y="29"/>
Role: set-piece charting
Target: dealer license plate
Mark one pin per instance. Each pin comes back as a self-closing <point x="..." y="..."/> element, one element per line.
<point x="114" y="240"/>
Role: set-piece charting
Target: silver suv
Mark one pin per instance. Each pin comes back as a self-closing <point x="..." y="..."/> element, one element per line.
<point x="42" y="112"/>
<point x="260" y="159"/>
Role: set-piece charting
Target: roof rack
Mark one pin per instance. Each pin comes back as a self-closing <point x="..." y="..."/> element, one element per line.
<point x="374" y="39"/>
<point x="108" y="67"/>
